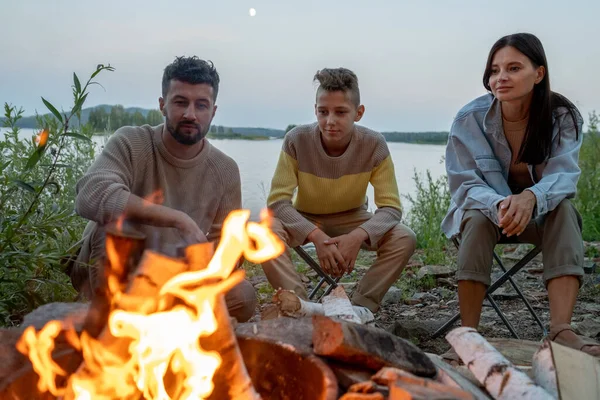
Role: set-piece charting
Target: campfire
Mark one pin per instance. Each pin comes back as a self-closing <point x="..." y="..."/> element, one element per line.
<point x="161" y="313"/>
<point x="158" y="328"/>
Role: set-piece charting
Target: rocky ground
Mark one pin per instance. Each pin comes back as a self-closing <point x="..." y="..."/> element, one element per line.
<point x="425" y="297"/>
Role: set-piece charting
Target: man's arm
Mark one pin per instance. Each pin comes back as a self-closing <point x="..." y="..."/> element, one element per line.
<point x="145" y="212"/>
<point x="104" y="195"/>
<point x="231" y="199"/>
<point x="103" y="192"/>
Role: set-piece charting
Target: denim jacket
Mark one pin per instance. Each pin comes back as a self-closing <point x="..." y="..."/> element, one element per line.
<point x="478" y="159"/>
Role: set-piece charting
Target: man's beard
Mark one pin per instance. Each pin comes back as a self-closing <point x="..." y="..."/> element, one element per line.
<point x="183" y="138"/>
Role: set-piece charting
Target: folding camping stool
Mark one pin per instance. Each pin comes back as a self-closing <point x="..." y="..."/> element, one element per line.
<point x="325" y="278"/>
<point x="506" y="276"/>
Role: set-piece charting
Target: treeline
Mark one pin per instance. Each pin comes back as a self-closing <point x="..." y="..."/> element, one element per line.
<point x="417" y="137"/>
<point x="406" y="137"/>
<point x="102" y="119"/>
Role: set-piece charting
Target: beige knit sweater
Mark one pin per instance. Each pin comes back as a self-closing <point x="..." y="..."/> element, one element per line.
<point x="518" y="174"/>
<point x="135" y="160"/>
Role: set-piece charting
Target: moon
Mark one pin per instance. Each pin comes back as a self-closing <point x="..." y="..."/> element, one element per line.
<point x="252" y="12"/>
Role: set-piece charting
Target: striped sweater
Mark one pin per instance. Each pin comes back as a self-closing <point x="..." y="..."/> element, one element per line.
<point x="307" y="180"/>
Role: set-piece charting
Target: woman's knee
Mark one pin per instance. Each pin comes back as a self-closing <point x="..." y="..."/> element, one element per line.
<point x="475" y="221"/>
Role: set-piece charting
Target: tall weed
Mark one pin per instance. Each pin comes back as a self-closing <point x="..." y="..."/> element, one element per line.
<point x="39" y="229"/>
<point x="428" y="208"/>
<point x="587" y="200"/>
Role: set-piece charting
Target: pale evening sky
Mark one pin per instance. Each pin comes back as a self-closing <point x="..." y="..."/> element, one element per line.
<point x="417" y="62"/>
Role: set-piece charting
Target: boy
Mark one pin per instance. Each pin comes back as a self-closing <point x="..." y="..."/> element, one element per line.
<point x="330" y="163"/>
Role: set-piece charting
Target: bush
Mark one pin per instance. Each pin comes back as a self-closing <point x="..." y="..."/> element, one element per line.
<point x="39" y="230"/>
<point x="428" y="209"/>
<point x="587" y="200"/>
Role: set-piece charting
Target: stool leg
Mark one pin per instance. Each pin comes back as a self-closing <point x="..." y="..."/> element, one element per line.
<point x="520" y="293"/>
<point x="316" y="289"/>
<point x="502" y="317"/>
<point x="446" y="326"/>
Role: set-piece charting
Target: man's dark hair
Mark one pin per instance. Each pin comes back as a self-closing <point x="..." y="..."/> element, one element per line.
<point x="191" y="70"/>
<point x="339" y="79"/>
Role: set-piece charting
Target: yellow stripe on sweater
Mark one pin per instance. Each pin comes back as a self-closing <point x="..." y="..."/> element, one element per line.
<point x="317" y="195"/>
<point x="327" y="196"/>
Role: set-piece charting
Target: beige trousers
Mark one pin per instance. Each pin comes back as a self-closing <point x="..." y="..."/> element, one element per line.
<point x="241" y="299"/>
<point x="393" y="252"/>
<point x="559" y="233"/>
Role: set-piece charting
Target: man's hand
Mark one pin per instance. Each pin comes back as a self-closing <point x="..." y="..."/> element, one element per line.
<point x="188" y="229"/>
<point x="147" y="213"/>
<point x="330" y="258"/>
<point x="349" y="246"/>
<point x="515" y="212"/>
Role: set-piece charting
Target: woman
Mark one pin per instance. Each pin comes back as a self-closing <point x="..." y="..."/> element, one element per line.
<point x="512" y="167"/>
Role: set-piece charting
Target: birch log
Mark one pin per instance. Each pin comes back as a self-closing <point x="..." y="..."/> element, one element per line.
<point x="544" y="372"/>
<point x="501" y="379"/>
<point x="336" y="304"/>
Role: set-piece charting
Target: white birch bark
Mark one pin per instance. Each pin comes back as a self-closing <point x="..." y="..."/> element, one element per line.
<point x="501" y="379"/>
<point x="544" y="372"/>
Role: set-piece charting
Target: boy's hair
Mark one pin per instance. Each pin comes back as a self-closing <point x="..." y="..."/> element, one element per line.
<point x="191" y="70"/>
<point x="342" y="79"/>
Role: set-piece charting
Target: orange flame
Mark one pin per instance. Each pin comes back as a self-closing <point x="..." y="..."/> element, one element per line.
<point x="42" y="138"/>
<point x="161" y="343"/>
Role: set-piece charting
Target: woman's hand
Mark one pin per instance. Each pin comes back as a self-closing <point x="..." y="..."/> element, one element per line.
<point x="515" y="212"/>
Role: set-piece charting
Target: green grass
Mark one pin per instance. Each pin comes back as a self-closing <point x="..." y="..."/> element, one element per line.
<point x="587" y="200"/>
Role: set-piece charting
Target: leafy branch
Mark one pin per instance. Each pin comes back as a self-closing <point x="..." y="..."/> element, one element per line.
<point x="80" y="95"/>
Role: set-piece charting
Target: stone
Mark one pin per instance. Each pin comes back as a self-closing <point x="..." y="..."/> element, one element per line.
<point x="504" y="293"/>
<point x="589" y="267"/>
<point x="437" y="271"/>
<point x="447" y="283"/>
<point x="393" y="296"/>
<point x="411" y="329"/>
<point x="75" y="312"/>
<point x="422" y="296"/>
<point x="589" y="327"/>
<point x="590" y="307"/>
<point x="409" y="313"/>
<point x="452" y="303"/>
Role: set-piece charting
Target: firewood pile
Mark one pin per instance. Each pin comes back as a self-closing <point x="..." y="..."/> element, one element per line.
<point x="327" y="356"/>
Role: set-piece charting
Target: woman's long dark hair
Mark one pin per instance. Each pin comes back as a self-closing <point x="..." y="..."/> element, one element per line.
<point x="537" y="143"/>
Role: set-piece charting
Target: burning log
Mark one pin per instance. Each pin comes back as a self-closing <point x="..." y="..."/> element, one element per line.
<point x="406" y="386"/>
<point x="146" y="338"/>
<point x="368" y="347"/>
<point x="289" y="331"/>
<point x="363" y="396"/>
<point x="231" y="380"/>
<point x="501" y="379"/>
